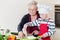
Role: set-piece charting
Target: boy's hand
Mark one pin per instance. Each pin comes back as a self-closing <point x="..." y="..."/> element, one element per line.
<point x="35" y="32"/>
<point x="44" y="35"/>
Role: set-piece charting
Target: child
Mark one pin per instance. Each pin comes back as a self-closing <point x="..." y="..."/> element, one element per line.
<point x="46" y="25"/>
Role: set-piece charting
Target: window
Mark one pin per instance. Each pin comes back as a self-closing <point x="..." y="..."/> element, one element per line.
<point x="57" y="15"/>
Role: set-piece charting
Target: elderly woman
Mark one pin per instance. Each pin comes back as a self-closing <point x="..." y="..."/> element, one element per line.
<point x="31" y="16"/>
<point x="45" y="24"/>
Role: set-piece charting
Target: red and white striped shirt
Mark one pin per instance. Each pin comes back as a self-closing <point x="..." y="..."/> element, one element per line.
<point x="51" y="25"/>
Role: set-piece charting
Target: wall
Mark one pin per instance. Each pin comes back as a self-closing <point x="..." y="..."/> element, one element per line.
<point x="11" y="12"/>
<point x="57" y="1"/>
<point x="57" y="36"/>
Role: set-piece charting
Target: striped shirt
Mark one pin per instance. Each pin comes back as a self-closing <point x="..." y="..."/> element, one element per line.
<point x="51" y="25"/>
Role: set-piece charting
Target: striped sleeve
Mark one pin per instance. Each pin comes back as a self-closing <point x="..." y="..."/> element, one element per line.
<point x="51" y="28"/>
<point x="34" y="23"/>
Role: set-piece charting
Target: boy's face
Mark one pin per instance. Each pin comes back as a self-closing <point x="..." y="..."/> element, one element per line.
<point x="44" y="16"/>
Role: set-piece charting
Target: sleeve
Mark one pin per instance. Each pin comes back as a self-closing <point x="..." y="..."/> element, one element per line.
<point x="34" y="23"/>
<point x="51" y="28"/>
<point x="21" y="24"/>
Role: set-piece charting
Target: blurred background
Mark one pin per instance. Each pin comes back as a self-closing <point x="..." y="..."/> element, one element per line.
<point x="11" y="12"/>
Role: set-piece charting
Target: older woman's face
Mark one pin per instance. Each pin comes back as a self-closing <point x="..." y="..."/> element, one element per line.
<point x="32" y="10"/>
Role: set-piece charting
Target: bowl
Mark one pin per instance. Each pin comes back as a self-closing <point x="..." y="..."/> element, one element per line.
<point x="28" y="38"/>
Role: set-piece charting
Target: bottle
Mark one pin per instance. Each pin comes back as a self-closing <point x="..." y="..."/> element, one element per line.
<point x="11" y="37"/>
<point x="6" y="37"/>
<point x="7" y="34"/>
<point x="1" y="37"/>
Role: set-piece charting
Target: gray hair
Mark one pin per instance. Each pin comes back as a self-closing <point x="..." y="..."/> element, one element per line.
<point x="33" y="3"/>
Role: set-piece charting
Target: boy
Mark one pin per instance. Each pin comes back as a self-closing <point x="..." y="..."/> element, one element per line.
<point x="46" y="25"/>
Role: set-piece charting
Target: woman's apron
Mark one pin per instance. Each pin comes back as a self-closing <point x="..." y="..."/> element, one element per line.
<point x="31" y="29"/>
<point x="43" y="29"/>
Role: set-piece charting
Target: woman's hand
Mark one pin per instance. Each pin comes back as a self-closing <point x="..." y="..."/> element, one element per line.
<point x="20" y="34"/>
